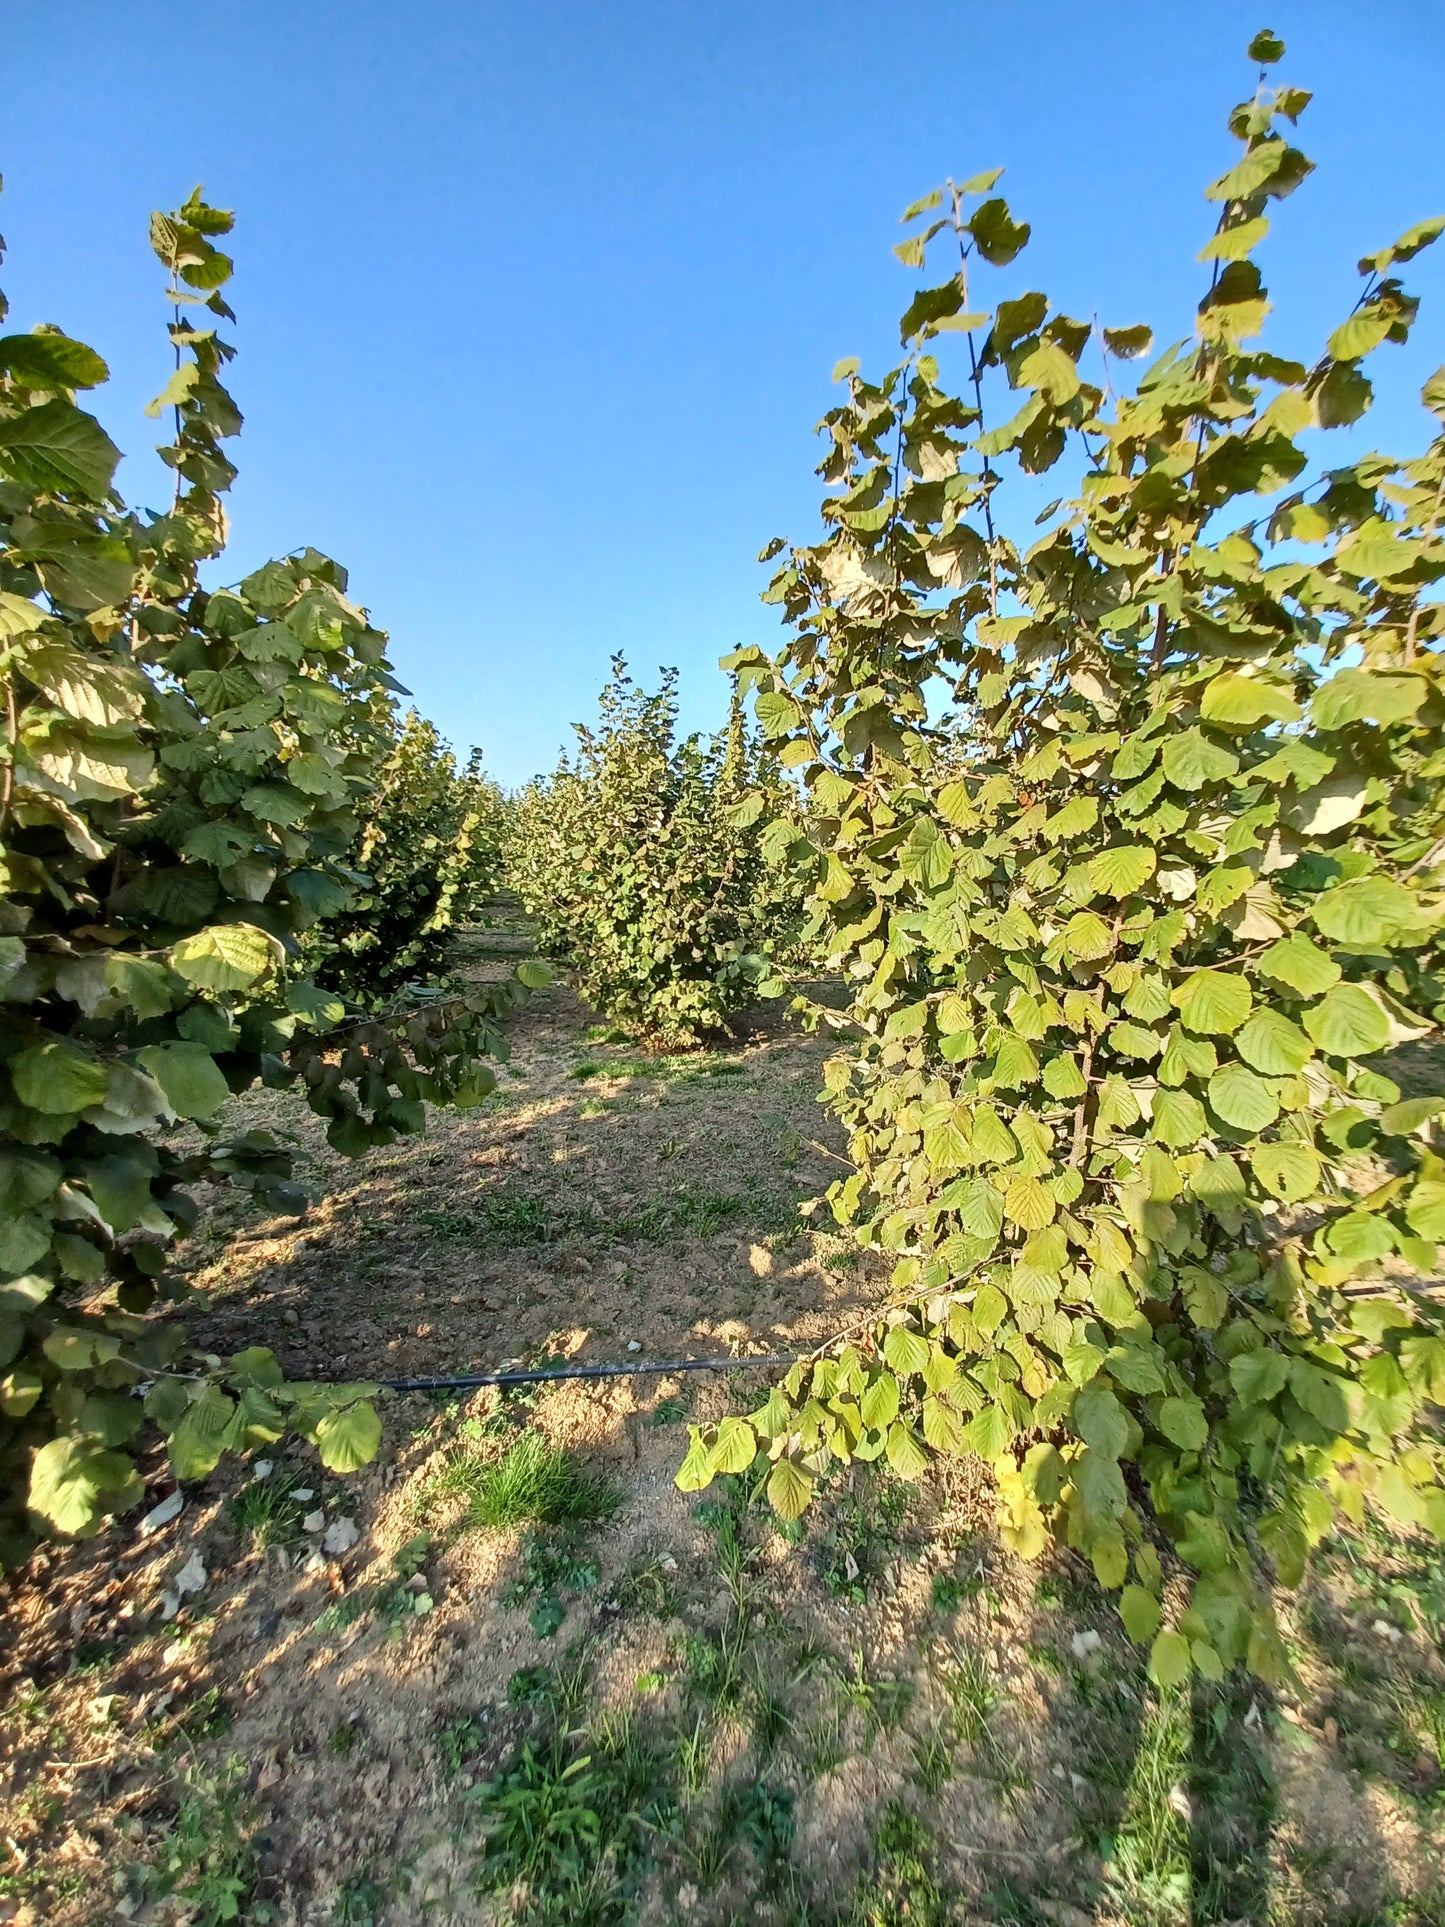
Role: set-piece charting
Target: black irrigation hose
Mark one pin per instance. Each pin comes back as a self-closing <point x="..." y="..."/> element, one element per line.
<point x="473" y="1381"/>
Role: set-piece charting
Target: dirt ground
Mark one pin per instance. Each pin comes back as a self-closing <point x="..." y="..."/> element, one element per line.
<point x="307" y="1699"/>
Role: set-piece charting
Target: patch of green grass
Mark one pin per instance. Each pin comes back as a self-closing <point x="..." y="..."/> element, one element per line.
<point x="531" y="1483"/>
<point x="949" y="1592"/>
<point x="513" y="1217"/>
<point x="902" y="1890"/>
<point x="882" y="1701"/>
<point x="265" y="1510"/>
<point x="972" y="1695"/>
<point x="575" y="1827"/>
<point x="649" y="1586"/>
<point x="206" y="1860"/>
<point x="1146" y="1861"/>
<point x="714" y="1666"/>
<point x="933" y="1761"/>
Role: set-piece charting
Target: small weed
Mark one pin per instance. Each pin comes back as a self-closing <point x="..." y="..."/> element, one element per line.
<point x="546" y="1819"/>
<point x="863" y="1536"/>
<point x="767" y="1712"/>
<point x="396" y="1600"/>
<point x="265" y="1510"/>
<point x="550" y="1564"/>
<point x="205" y="1717"/>
<point x="206" y="1860"/>
<point x="460" y="1740"/>
<point x="823" y="1747"/>
<point x="92" y="1656"/>
<point x="669" y="1411"/>
<point x="649" y="1586"/>
<point x="903" y="1891"/>
<point x="714" y="1664"/>
<point x="949" y="1592"/>
<point x="514" y="1217"/>
<point x="574" y="1826"/>
<point x="933" y="1761"/>
<point x="966" y="1679"/>
<point x="342" y="1739"/>
<point x="359" y="1903"/>
<point x="882" y="1702"/>
<point x="694" y="1755"/>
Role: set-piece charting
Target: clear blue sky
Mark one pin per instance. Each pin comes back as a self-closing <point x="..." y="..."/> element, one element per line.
<point x="538" y="303"/>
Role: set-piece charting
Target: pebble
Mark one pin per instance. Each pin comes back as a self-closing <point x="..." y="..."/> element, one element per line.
<point x="633" y="1345"/>
<point x="314" y="1521"/>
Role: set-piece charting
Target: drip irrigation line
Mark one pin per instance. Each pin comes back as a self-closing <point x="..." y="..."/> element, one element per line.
<point x="474" y="1381"/>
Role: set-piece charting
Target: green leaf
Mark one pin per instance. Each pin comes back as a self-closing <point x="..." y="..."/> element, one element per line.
<point x="1248" y="176"/>
<point x="1140" y="1613"/>
<point x="57" y="1078"/>
<point x="1000" y="238"/>
<point x="1121" y="871"/>
<point x="1235" y="243"/>
<point x="1295" y="961"/>
<point x="74" y="1484"/>
<point x="1129" y="343"/>
<point x="1272" y="1044"/>
<point x="348" y="1439"/>
<point x="1242" y="1099"/>
<point x="905" y="1350"/>
<point x="789" y="1489"/>
<point x="1266" y="48"/>
<point x="905" y="1454"/>
<point x="1259" y="1376"/>
<point x="879" y="1403"/>
<point x="206" y="1430"/>
<point x="58" y="448"/>
<point x="1213" y="1002"/>
<point x="1404" y="1119"/>
<point x="1362" y="333"/>
<point x="1192" y="760"/>
<point x="1244" y="702"/>
<point x="695" y="1473"/>
<point x="1100" y="1421"/>
<point x="1170" y="1663"/>
<point x="1347" y="1022"/>
<point x="1182" y="1420"/>
<point x="224" y="957"/>
<point x="1372" y="696"/>
<point x="1177" y="1118"/>
<point x="1030" y="1203"/>
<point x="53" y="361"/>
<point x="1365" y="910"/>
<point x="1290" y="1172"/>
<point x="188" y="1075"/>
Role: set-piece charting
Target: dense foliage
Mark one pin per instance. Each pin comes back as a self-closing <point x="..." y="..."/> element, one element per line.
<point x="179" y="790"/>
<point x="428" y="854"/>
<point x="647" y="863"/>
<point x="1131" y="937"/>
